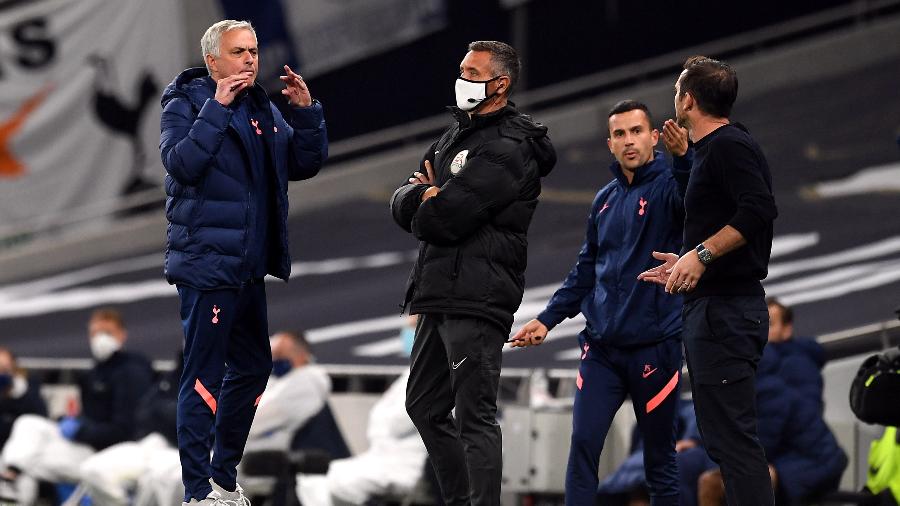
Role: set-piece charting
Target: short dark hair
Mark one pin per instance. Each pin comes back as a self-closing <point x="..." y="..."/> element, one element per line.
<point x="109" y="314"/>
<point x="631" y="105"/>
<point x="712" y="83"/>
<point x="504" y="59"/>
<point x="787" y="314"/>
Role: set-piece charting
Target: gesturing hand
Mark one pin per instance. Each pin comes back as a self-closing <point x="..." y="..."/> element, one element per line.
<point x="295" y="89"/>
<point x="532" y="333"/>
<point x="659" y="274"/>
<point x="228" y="87"/>
<point x="675" y="138"/>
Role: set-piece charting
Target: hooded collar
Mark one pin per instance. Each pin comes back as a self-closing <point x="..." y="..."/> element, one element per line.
<point x="479" y="120"/>
<point x="646" y="172"/>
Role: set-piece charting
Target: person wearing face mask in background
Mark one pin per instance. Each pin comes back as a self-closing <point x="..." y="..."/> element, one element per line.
<point x="42" y="449"/>
<point x="470" y="204"/>
<point x="296" y="391"/>
<point x="394" y="460"/>
<point x="18" y="394"/>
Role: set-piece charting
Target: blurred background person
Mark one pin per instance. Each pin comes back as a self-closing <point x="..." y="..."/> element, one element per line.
<point x="296" y="391"/>
<point x="799" y="359"/>
<point x="43" y="449"/>
<point x="19" y="395"/>
<point x="111" y="475"/>
<point x="394" y="461"/>
<point x="628" y="484"/>
<point x="804" y="457"/>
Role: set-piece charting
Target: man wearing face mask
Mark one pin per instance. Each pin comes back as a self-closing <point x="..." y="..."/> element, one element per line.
<point x="296" y="391"/>
<point x="39" y="448"/>
<point x="470" y="205"/>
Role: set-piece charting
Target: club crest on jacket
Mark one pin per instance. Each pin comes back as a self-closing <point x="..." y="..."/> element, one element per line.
<point x="458" y="161"/>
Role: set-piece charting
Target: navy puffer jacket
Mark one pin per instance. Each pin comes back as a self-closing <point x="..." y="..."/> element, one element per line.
<point x="791" y="428"/>
<point x="208" y="181"/>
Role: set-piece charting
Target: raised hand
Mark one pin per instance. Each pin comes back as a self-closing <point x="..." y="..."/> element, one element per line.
<point x="295" y="89"/>
<point x="228" y="87"/>
<point x="675" y="138"/>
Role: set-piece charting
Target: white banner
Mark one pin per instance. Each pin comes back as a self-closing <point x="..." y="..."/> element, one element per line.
<point x="329" y="33"/>
<point x="80" y="83"/>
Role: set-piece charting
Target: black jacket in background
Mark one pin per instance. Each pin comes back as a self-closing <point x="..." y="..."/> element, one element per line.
<point x="730" y="184"/>
<point x="473" y="244"/>
<point x="110" y="393"/>
<point x="11" y="408"/>
<point x="157" y="410"/>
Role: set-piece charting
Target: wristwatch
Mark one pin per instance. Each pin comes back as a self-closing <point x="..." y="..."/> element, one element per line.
<point x="704" y="254"/>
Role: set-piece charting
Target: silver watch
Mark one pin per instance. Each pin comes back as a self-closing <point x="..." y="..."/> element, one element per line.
<point x="706" y="256"/>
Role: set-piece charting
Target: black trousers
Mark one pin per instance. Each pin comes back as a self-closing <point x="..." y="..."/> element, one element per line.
<point x="723" y="341"/>
<point x="456" y="363"/>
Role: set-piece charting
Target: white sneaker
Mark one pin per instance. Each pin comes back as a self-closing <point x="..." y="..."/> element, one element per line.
<point x="211" y="500"/>
<point x="226" y="498"/>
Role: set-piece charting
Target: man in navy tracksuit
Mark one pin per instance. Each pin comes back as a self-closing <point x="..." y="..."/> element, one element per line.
<point x="631" y="345"/>
<point x="229" y="153"/>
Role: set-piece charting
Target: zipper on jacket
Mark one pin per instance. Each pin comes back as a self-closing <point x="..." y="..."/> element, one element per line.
<point x="456" y="261"/>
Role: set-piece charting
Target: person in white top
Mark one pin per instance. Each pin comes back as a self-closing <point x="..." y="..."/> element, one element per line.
<point x="296" y="390"/>
<point x="394" y="461"/>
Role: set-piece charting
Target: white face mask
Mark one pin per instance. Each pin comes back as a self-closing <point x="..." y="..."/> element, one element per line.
<point x="471" y="93"/>
<point x="19" y="387"/>
<point x="103" y="346"/>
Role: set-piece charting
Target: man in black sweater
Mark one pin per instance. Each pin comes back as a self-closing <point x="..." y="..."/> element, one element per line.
<point x="729" y="210"/>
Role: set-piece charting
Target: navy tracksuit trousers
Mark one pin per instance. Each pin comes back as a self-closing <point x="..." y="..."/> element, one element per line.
<point x="650" y="375"/>
<point x="227" y="361"/>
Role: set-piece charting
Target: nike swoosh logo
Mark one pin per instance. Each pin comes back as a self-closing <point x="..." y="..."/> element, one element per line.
<point x="648" y="373"/>
<point x="455" y="365"/>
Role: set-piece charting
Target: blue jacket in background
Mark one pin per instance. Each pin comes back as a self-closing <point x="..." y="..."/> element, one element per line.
<point x="626" y="224"/>
<point x="791" y="427"/>
<point x="208" y="182"/>
<point x="110" y="394"/>
<point x="798" y="361"/>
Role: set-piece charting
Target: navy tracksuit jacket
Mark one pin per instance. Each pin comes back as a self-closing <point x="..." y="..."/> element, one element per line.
<point x="631" y="344"/>
<point x="227" y="174"/>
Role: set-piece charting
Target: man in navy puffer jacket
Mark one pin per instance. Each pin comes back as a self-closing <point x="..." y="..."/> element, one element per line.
<point x="631" y="345"/>
<point x="229" y="153"/>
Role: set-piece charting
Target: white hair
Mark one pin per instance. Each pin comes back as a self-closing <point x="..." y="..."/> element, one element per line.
<point x="212" y="39"/>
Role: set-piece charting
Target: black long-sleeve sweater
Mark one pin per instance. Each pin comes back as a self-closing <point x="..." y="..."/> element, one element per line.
<point x="730" y="184"/>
